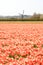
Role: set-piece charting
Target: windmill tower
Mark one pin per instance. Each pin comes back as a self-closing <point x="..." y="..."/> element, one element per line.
<point x="22" y="15"/>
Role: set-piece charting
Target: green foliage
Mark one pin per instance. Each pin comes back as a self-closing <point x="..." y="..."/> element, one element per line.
<point x="35" y="46"/>
<point x="42" y="46"/>
<point x="11" y="56"/>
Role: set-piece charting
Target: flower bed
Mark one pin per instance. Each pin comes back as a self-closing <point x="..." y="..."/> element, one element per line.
<point x="21" y="44"/>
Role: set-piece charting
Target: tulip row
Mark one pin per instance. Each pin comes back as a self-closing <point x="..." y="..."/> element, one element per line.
<point x="21" y="44"/>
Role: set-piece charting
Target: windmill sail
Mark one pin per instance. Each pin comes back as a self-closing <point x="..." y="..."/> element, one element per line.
<point x="22" y="15"/>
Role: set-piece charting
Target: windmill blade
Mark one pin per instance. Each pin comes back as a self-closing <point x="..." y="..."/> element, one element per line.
<point x="23" y="12"/>
<point x="20" y="14"/>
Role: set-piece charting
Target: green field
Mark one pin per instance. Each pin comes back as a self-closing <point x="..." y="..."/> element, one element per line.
<point x="33" y="22"/>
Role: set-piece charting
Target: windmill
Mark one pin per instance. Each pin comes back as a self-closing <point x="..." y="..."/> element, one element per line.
<point x="22" y="15"/>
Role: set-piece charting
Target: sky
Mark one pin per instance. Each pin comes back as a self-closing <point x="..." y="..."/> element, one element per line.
<point x="16" y="7"/>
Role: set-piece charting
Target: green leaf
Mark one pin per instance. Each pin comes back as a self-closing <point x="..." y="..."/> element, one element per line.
<point x="35" y="46"/>
<point x="42" y="46"/>
<point x="10" y="56"/>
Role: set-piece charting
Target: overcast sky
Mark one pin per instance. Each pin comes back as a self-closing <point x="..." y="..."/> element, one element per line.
<point x="14" y="7"/>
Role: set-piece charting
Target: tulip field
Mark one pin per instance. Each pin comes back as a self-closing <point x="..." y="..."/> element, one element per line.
<point x="21" y="44"/>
